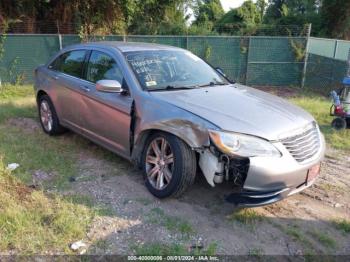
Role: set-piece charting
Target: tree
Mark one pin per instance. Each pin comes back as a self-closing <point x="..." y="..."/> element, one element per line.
<point x="206" y="13"/>
<point x="291" y="13"/>
<point x="95" y="16"/>
<point x="336" y="18"/>
<point x="242" y="20"/>
<point x="159" y="17"/>
<point x="208" y="10"/>
<point x="261" y="6"/>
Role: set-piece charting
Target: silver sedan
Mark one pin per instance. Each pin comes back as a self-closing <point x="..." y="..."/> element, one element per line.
<point x="171" y="113"/>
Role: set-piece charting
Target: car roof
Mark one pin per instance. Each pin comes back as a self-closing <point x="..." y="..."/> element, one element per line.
<point x="128" y="46"/>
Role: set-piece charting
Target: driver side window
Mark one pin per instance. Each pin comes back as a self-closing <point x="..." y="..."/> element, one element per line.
<point x="102" y="66"/>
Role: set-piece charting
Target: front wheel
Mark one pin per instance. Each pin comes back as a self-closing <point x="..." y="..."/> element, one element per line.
<point x="169" y="165"/>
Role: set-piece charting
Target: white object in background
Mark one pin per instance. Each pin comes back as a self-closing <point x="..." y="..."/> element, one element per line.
<point x="12" y="166"/>
<point x="77" y="245"/>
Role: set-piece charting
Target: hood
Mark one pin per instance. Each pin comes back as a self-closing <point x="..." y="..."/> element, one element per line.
<point x="241" y="109"/>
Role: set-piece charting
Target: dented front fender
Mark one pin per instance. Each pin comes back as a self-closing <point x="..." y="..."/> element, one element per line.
<point x="154" y="114"/>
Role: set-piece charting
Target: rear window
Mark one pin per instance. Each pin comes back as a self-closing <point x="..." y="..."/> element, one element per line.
<point x="70" y="63"/>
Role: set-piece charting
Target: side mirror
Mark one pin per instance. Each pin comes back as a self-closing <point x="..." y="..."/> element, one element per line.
<point x="220" y="71"/>
<point x="109" y="86"/>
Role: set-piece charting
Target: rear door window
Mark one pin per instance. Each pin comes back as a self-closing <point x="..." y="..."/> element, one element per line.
<point x="70" y="63"/>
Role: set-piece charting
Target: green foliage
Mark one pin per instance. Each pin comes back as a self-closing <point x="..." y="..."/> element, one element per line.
<point x="207" y="12"/>
<point x="329" y="18"/>
<point x="342" y="225"/>
<point x="243" y="20"/>
<point x="158" y="17"/>
<point x="294" y="12"/>
<point x="298" y="49"/>
<point x="323" y="238"/>
<point x="246" y="216"/>
<point x="336" y="18"/>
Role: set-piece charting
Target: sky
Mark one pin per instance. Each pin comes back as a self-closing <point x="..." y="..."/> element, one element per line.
<point x="228" y="4"/>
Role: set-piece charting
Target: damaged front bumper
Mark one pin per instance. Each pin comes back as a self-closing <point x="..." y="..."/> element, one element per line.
<point x="247" y="198"/>
<point x="263" y="180"/>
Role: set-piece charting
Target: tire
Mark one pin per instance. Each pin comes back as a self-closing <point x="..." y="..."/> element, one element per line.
<point x="339" y="123"/>
<point x="182" y="169"/>
<point x="47" y="114"/>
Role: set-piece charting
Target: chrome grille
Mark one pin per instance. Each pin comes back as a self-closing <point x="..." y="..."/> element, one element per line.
<point x="304" y="145"/>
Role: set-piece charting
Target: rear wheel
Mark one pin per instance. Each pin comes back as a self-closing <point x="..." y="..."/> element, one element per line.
<point x="169" y="165"/>
<point x="48" y="116"/>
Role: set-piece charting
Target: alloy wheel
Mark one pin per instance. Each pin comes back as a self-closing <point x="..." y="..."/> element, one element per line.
<point x="46" y="116"/>
<point x="159" y="163"/>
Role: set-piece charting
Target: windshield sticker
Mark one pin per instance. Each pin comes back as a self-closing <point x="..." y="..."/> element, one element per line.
<point x="151" y="83"/>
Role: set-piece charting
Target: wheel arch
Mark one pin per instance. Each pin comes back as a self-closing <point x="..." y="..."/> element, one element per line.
<point x="194" y="138"/>
<point x="39" y="94"/>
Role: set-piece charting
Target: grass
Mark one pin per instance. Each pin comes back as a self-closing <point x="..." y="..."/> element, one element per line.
<point x="9" y="92"/>
<point x="172" y="223"/>
<point x="295" y="233"/>
<point x="256" y="252"/>
<point x="323" y="238"/>
<point x="342" y="225"/>
<point x="34" y="150"/>
<point x="32" y="222"/>
<point x="319" y="108"/>
<point x="17" y="101"/>
<point x="88" y="202"/>
<point x="246" y="216"/>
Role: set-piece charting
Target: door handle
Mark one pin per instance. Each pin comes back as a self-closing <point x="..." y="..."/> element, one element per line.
<point x="54" y="77"/>
<point x="85" y="88"/>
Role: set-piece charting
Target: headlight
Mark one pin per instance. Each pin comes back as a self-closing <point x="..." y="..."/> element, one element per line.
<point x="243" y="145"/>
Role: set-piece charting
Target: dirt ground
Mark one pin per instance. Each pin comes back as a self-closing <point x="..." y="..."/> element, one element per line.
<point x="300" y="224"/>
<point x="291" y="226"/>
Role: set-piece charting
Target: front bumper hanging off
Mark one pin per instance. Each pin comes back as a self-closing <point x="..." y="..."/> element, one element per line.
<point x="248" y="198"/>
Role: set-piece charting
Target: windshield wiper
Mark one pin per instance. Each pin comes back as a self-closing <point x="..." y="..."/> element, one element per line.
<point x="209" y="84"/>
<point x="213" y="84"/>
<point x="170" y="87"/>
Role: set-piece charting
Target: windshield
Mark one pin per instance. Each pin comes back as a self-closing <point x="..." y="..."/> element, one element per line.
<point x="168" y="69"/>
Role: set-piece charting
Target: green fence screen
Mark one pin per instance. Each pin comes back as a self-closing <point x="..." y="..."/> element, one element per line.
<point x="251" y="60"/>
<point x="257" y="61"/>
<point x="327" y="63"/>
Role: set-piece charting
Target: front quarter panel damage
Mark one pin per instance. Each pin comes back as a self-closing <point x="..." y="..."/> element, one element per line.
<point x="154" y="114"/>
